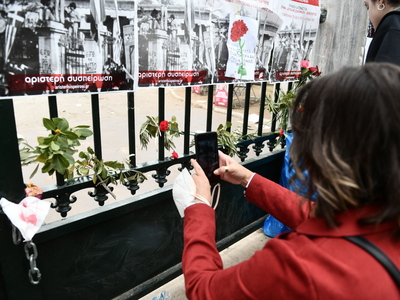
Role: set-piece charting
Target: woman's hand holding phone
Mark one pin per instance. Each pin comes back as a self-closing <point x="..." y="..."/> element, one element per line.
<point x="231" y="171"/>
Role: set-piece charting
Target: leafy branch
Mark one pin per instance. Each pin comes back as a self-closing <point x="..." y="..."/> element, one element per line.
<point x="103" y="171"/>
<point x="56" y="153"/>
<point x="151" y="128"/>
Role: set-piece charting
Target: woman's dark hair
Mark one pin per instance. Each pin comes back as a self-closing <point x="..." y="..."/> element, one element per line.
<point x="346" y="134"/>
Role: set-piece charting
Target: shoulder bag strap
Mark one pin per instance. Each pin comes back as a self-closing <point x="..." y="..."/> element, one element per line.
<point x="378" y="254"/>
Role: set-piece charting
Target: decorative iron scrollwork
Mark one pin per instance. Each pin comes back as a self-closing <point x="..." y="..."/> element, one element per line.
<point x="258" y="148"/>
<point x="242" y="153"/>
<point x="161" y="176"/>
<point x="63" y="202"/>
<point x="100" y="193"/>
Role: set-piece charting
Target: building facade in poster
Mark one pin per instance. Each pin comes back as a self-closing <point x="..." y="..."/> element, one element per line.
<point x="295" y="38"/>
<point x="67" y="46"/>
<point x="74" y="46"/>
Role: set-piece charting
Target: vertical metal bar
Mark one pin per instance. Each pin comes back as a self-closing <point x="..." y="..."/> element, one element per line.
<point x="246" y="109"/>
<point x="11" y="179"/>
<point x="230" y="105"/>
<point x="96" y="125"/>
<point x="131" y="128"/>
<point x="276" y="98"/>
<point x="188" y="100"/>
<point x="210" y="98"/>
<point x="53" y="111"/>
<point x="262" y="108"/>
<point x="161" y="117"/>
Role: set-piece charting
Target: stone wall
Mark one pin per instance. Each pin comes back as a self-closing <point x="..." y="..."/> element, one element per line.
<point x="341" y="39"/>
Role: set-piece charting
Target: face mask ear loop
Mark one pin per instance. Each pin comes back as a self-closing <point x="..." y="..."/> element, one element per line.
<point x="218" y="193"/>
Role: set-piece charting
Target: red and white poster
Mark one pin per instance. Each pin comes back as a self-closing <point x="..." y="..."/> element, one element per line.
<point x="103" y="46"/>
<point x="295" y="38"/>
<point x="63" y="47"/>
<point x="244" y="53"/>
<point x="174" y="42"/>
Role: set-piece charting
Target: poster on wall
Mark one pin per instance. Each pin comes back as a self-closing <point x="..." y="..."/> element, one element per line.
<point x="243" y="37"/>
<point x="295" y="38"/>
<point x="64" y="47"/>
<point x="174" y="42"/>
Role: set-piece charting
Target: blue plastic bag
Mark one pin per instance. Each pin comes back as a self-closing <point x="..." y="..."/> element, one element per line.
<point x="272" y="226"/>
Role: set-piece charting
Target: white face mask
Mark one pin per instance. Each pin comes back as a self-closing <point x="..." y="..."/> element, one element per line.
<point x="184" y="191"/>
<point x="28" y="216"/>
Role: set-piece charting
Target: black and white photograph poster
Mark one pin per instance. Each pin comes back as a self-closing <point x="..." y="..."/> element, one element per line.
<point x="244" y="32"/>
<point x="295" y="38"/>
<point x="174" y="42"/>
<point x="54" y="46"/>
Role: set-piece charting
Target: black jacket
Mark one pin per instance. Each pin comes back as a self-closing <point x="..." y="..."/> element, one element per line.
<point x="385" y="45"/>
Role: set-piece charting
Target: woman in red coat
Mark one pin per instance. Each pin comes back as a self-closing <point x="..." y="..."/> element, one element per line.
<point x="346" y="135"/>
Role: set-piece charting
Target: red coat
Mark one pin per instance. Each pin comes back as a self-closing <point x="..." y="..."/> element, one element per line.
<point x="312" y="262"/>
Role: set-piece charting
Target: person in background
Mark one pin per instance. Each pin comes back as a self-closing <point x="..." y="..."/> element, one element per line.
<point x="48" y="10"/>
<point x="72" y="19"/>
<point x="385" y="18"/>
<point x="354" y="173"/>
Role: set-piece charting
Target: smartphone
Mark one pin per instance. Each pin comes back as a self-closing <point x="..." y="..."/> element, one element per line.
<point x="206" y="145"/>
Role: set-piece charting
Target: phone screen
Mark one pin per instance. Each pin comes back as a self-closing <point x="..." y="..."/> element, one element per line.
<point x="206" y="145"/>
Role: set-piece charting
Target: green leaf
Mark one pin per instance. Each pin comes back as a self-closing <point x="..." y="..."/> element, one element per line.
<point x="61" y="123"/>
<point x="83" y="133"/>
<point x="69" y="158"/>
<point x="46" y="140"/>
<point x="48" y="166"/>
<point x="70" y="135"/>
<point x="60" y="163"/>
<point x="114" y="164"/>
<point x="49" y="124"/>
<point x="54" y="146"/>
<point x="83" y="171"/>
<point x="104" y="173"/>
<point x="34" y="171"/>
<point x="90" y="150"/>
<point x="42" y="158"/>
<point x="99" y="168"/>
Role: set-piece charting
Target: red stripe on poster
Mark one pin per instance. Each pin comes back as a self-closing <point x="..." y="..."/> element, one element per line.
<point x="309" y="2"/>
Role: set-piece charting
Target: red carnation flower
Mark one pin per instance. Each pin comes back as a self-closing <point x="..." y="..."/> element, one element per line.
<point x="239" y="29"/>
<point x="174" y="155"/>
<point x="315" y="71"/>
<point x="163" y="125"/>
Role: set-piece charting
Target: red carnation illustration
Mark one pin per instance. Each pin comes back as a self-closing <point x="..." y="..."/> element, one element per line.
<point x="239" y="29"/>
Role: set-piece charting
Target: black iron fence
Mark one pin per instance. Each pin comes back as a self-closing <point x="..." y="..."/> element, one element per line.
<point x="131" y="246"/>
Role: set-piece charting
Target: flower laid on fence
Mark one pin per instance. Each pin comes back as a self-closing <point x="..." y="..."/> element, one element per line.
<point x="56" y="150"/>
<point x="32" y="190"/>
<point x="239" y="29"/>
<point x="281" y="108"/>
<point x="56" y="153"/>
<point x="152" y="128"/>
